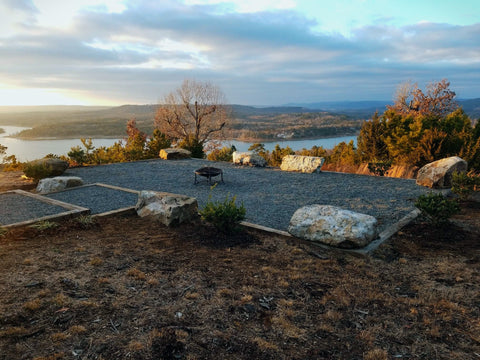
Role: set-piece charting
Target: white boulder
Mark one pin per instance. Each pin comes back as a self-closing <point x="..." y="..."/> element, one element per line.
<point x="438" y="174"/>
<point x="169" y="209"/>
<point x="333" y="226"/>
<point x="248" y="158"/>
<point x="305" y="164"/>
<point x="58" y="183"/>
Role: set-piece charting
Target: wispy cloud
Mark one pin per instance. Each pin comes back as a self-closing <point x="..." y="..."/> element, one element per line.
<point x="137" y="51"/>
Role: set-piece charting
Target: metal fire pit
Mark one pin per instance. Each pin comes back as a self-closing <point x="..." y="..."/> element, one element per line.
<point x="208" y="172"/>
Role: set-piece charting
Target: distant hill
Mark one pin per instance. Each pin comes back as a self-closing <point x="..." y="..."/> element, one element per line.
<point x="362" y="108"/>
<point x="345" y="105"/>
<point x="246" y="110"/>
<point x="471" y="107"/>
<point x="48" y="108"/>
<point x="248" y="122"/>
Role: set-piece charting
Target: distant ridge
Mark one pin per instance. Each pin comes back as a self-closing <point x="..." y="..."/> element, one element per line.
<point x="344" y="105"/>
<point x="470" y="106"/>
<point x="49" y="108"/>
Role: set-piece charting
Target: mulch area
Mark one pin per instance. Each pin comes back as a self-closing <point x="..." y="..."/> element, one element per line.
<point x="130" y="288"/>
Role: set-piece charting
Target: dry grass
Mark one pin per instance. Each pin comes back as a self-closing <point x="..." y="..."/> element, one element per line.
<point x="137" y="274"/>
<point x="159" y="293"/>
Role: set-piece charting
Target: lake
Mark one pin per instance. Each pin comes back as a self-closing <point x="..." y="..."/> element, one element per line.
<point x="26" y="150"/>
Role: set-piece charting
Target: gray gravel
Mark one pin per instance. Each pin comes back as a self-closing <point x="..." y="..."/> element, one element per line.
<point x="16" y="208"/>
<point x="270" y="196"/>
<point x="98" y="199"/>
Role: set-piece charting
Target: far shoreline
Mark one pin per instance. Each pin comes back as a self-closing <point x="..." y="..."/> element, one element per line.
<point x="248" y="140"/>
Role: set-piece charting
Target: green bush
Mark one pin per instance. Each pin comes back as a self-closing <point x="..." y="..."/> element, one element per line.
<point x="437" y="208"/>
<point x="193" y="145"/>
<point x="464" y="184"/>
<point x="224" y="215"/>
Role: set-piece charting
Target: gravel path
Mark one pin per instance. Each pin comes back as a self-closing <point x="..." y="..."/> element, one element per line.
<point x="270" y="196"/>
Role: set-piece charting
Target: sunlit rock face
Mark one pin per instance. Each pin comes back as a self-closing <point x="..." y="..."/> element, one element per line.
<point x="305" y="164"/>
<point x="438" y="174"/>
<point x="333" y="226"/>
<point x="248" y="158"/>
<point x="58" y="183"/>
<point x="169" y="209"/>
<point x="174" y="154"/>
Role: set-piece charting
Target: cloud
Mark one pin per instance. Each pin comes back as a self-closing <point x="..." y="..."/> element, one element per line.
<point x="146" y="48"/>
<point x="246" y="6"/>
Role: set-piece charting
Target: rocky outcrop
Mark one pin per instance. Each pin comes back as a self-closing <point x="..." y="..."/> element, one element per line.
<point x="52" y="166"/>
<point x="169" y="209"/>
<point x="248" y="158"/>
<point x="438" y="174"/>
<point x="174" y="154"/>
<point x="305" y="164"/>
<point x="58" y="183"/>
<point x="333" y="226"/>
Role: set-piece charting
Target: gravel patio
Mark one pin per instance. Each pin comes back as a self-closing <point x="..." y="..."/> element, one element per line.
<point x="270" y="195"/>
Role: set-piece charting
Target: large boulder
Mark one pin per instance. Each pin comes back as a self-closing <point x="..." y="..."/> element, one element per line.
<point x="49" y="167"/>
<point x="169" y="209"/>
<point x="174" y="154"/>
<point x="438" y="174"/>
<point x="305" y="164"/>
<point x="333" y="226"/>
<point x="58" y="183"/>
<point x="248" y="158"/>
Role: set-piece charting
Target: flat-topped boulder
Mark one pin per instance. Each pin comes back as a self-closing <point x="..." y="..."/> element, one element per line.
<point x="58" y="183"/>
<point x="333" y="226"/>
<point x="299" y="163"/>
<point x="169" y="209"/>
<point x="249" y="158"/>
<point x="50" y="166"/>
<point x="438" y="174"/>
<point x="174" y="154"/>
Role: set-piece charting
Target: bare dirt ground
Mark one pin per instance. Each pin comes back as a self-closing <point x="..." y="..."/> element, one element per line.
<point x="12" y="180"/>
<point x="130" y="288"/>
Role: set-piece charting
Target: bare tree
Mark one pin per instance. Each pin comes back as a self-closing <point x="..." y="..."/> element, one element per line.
<point x="438" y="100"/>
<point x="194" y="113"/>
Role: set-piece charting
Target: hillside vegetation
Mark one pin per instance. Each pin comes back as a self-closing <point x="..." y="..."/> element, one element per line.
<point x="247" y="122"/>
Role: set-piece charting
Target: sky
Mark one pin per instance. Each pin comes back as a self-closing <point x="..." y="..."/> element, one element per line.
<point x="259" y="52"/>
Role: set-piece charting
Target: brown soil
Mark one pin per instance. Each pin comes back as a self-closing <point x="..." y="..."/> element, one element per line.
<point x="12" y="180"/>
<point x="130" y="288"/>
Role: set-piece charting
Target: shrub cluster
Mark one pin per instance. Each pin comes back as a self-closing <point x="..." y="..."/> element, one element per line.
<point x="420" y="128"/>
<point x="137" y="146"/>
<point x="223" y="154"/>
<point x="437" y="208"/>
<point x="224" y="215"/>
